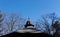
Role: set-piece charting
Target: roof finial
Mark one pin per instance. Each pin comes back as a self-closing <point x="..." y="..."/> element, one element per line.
<point x="28" y="19"/>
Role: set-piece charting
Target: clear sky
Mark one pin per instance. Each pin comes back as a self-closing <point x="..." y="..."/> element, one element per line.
<point x="30" y="8"/>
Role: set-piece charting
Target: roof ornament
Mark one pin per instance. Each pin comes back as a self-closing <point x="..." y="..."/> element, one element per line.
<point x="28" y="19"/>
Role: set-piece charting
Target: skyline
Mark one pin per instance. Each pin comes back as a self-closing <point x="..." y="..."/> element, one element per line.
<point x="30" y="8"/>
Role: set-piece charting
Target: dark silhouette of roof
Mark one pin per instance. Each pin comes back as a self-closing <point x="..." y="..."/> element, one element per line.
<point x="16" y="34"/>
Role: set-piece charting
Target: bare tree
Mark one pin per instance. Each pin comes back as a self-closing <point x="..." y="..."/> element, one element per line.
<point x="46" y="24"/>
<point x="12" y="21"/>
<point x="48" y="21"/>
<point x="40" y="25"/>
<point x="56" y="25"/>
<point x="53" y="17"/>
<point x="1" y="20"/>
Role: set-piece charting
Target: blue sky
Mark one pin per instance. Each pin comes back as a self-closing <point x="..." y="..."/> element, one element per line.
<point x="30" y="8"/>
